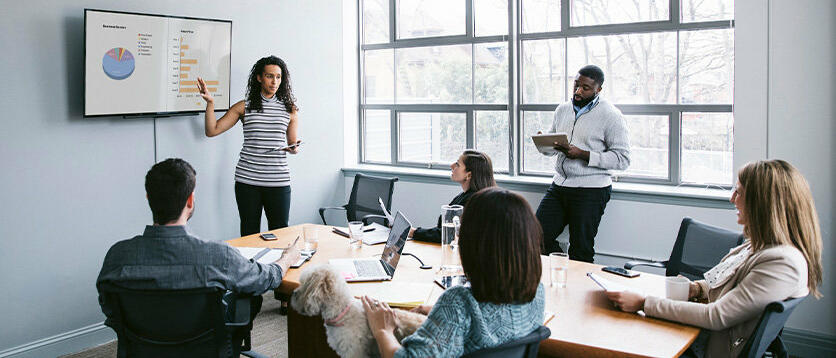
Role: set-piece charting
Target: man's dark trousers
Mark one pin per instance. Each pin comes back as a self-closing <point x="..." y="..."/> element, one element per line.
<point x="581" y="209"/>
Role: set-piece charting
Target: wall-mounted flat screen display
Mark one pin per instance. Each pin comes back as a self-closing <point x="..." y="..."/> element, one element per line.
<point x="138" y="64"/>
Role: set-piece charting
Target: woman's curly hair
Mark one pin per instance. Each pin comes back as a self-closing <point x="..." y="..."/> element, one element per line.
<point x="284" y="93"/>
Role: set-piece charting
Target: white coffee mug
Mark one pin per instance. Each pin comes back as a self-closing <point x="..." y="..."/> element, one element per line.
<point x="676" y="288"/>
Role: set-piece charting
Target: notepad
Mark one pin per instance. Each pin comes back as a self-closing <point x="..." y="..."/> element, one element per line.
<point x="607" y="285"/>
<point x="262" y="255"/>
<point x="375" y="233"/>
<point x="403" y="295"/>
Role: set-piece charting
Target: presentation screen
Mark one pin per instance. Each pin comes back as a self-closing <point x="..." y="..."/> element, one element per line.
<point x="138" y="64"/>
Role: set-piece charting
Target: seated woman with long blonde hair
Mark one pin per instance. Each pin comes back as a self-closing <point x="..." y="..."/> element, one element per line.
<point x="780" y="259"/>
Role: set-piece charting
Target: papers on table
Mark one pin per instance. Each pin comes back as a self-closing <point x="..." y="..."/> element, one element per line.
<point x="607" y="285"/>
<point x="263" y="255"/>
<point x="375" y="234"/>
<point x="270" y="256"/>
<point x="250" y="252"/>
<point x="397" y="294"/>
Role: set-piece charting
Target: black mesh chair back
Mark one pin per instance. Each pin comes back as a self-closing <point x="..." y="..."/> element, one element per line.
<point x="767" y="334"/>
<point x="171" y="323"/>
<point x="699" y="247"/>
<point x="525" y="347"/>
<point x="363" y="202"/>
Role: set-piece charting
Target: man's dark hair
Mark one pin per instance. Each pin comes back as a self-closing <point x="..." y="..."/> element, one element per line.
<point x="499" y="245"/>
<point x="168" y="185"/>
<point x="593" y="72"/>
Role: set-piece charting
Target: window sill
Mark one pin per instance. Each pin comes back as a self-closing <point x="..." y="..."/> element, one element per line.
<point x="651" y="193"/>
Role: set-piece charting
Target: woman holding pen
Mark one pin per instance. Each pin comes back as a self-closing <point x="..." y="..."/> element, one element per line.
<point x="270" y="119"/>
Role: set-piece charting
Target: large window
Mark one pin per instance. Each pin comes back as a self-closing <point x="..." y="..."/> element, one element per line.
<point x="439" y="76"/>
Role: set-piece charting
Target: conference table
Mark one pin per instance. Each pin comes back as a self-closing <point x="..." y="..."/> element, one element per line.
<point x="585" y="323"/>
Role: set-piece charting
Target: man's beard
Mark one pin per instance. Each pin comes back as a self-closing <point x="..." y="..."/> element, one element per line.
<point x="582" y="102"/>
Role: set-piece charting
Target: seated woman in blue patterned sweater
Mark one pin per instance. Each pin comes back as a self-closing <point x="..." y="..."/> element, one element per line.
<point x="499" y="245"/>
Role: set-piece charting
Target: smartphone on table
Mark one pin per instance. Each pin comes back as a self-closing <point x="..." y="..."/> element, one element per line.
<point x="267" y="236"/>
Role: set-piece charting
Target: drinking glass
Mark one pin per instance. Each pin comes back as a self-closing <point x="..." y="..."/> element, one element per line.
<point x="451" y="263"/>
<point x="559" y="263"/>
<point x="355" y="230"/>
<point x="311" y="237"/>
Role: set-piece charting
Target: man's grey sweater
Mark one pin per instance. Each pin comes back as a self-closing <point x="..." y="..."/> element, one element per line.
<point x="603" y="132"/>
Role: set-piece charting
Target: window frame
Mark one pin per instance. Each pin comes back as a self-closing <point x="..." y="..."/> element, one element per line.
<point x="515" y="108"/>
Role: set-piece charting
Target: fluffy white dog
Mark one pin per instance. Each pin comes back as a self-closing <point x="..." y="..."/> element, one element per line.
<point x="324" y="292"/>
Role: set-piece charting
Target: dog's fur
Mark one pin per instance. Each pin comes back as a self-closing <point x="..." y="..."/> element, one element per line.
<point x="324" y="292"/>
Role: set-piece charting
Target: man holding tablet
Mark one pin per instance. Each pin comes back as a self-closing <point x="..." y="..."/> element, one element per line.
<point x="597" y="143"/>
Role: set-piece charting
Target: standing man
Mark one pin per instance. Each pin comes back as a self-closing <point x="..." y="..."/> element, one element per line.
<point x="167" y="257"/>
<point x="580" y="190"/>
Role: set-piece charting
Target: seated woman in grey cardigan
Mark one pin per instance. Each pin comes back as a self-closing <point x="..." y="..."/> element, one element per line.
<point x="780" y="259"/>
<point x="499" y="244"/>
<point x="473" y="171"/>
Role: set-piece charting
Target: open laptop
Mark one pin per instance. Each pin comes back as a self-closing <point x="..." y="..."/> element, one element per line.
<point x="372" y="269"/>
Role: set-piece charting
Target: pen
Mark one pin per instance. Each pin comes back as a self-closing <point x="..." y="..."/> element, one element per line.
<point x="367" y="230"/>
<point x="340" y="232"/>
<point x="293" y="244"/>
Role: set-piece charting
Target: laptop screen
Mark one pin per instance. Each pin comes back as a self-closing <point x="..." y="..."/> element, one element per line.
<point x="396" y="242"/>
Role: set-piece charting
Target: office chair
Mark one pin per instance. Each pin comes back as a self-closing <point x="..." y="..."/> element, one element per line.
<point x="697" y="249"/>
<point x="363" y="203"/>
<point x="767" y="334"/>
<point x="525" y="347"/>
<point x="178" y="323"/>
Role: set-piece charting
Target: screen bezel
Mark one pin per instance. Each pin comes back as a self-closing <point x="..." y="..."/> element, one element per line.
<point x="395" y="243"/>
<point x="151" y="114"/>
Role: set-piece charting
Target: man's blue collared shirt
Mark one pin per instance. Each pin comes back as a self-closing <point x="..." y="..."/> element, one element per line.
<point x="579" y="111"/>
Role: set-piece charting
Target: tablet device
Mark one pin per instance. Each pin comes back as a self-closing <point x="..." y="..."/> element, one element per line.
<point x="545" y="142"/>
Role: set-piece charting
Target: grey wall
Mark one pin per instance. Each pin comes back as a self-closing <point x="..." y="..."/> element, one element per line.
<point x="802" y="59"/>
<point x="71" y="187"/>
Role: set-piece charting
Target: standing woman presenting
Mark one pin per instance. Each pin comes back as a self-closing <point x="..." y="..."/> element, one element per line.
<point x="270" y="119"/>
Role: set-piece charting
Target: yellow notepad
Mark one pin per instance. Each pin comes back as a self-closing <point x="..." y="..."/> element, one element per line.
<point x="402" y="295"/>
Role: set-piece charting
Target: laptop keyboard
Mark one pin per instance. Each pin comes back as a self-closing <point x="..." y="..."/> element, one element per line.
<point x="368" y="268"/>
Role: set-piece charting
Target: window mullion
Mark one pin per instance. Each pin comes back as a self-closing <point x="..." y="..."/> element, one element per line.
<point x="468" y="18"/>
<point x="673" y="12"/>
<point x="514" y="68"/>
<point x="675" y="147"/>
<point x="392" y="21"/>
<point x="565" y="15"/>
<point x="470" y="129"/>
<point x="394" y="136"/>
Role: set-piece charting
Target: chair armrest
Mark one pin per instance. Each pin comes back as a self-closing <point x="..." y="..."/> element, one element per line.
<point x="629" y="265"/>
<point x="322" y="211"/>
<point x="242" y="312"/>
<point x="369" y="217"/>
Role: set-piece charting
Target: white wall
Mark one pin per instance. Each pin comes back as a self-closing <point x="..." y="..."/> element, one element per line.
<point x="71" y="187"/>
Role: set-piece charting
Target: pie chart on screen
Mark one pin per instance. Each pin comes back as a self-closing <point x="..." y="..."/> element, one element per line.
<point x="118" y="63"/>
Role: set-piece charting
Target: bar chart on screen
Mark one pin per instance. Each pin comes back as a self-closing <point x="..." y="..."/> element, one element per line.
<point x="195" y="51"/>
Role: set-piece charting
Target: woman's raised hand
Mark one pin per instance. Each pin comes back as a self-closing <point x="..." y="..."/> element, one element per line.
<point x="201" y="87"/>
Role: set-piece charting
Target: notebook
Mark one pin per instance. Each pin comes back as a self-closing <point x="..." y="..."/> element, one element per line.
<point x="382" y="269"/>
